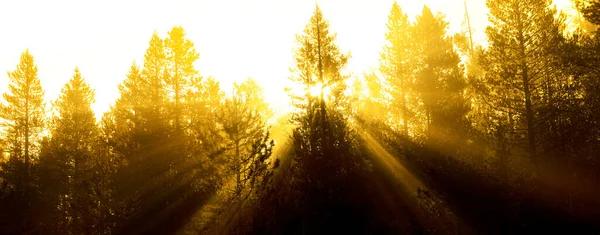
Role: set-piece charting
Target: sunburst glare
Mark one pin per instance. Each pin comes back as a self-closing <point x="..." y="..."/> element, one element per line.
<point x="300" y="117"/>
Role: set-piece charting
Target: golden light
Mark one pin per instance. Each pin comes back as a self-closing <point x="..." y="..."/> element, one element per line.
<point x="235" y="38"/>
<point x="317" y="89"/>
<point x="314" y="91"/>
<point x="357" y="88"/>
<point x="364" y="94"/>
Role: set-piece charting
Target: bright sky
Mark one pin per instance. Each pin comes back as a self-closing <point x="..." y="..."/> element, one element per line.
<point x="236" y="39"/>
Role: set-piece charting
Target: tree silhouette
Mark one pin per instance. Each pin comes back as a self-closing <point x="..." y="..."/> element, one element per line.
<point x="443" y="130"/>
<point x="246" y="143"/>
<point x="242" y="123"/>
<point x="75" y="167"/>
<point x="520" y="63"/>
<point x="24" y="116"/>
<point x="397" y="63"/>
<point x="324" y="146"/>
<point x="180" y="56"/>
<point x="440" y="79"/>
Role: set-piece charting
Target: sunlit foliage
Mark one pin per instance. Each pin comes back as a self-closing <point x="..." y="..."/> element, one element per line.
<point x="76" y="168"/>
<point x="521" y="70"/>
<point x="398" y="65"/>
<point x="23" y="122"/>
<point x="442" y="131"/>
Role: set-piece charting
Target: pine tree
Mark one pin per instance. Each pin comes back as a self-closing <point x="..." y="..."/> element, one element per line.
<point x="151" y="128"/>
<point x="139" y="120"/>
<point x="397" y="63"/>
<point x="154" y="74"/>
<point x="23" y="115"/>
<point x="520" y="63"/>
<point x="75" y="122"/>
<point x="243" y="122"/>
<point x="375" y="109"/>
<point x="126" y="113"/>
<point x="126" y="122"/>
<point x="180" y="55"/>
<point x="246" y="142"/>
<point x="581" y="56"/>
<point x="440" y="81"/>
<point x="318" y="63"/>
<point x="323" y="144"/>
<point x="75" y="166"/>
<point x="136" y="130"/>
<point x="253" y="93"/>
<point x="203" y="101"/>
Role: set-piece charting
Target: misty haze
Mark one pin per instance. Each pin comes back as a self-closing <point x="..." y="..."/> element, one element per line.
<point x="300" y="117"/>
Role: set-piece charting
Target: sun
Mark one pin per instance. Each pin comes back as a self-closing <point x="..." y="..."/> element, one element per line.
<point x="316" y="90"/>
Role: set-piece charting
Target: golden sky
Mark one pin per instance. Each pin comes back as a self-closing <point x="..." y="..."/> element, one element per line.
<point x="236" y="39"/>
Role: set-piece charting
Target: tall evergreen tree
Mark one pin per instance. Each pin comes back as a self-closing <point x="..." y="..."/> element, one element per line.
<point x="318" y="63"/>
<point x="246" y="142"/>
<point x="520" y="64"/>
<point x="23" y="117"/>
<point x="181" y="55"/>
<point x="139" y="121"/>
<point x="375" y="109"/>
<point x="243" y="122"/>
<point x="203" y="101"/>
<point x="154" y="74"/>
<point x="323" y="143"/>
<point x="136" y="131"/>
<point x="152" y="129"/>
<point x="76" y="167"/>
<point x="397" y="63"/>
<point x="581" y="57"/>
<point x="440" y="81"/>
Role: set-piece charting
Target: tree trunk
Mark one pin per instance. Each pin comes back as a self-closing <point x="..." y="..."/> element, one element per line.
<point x="26" y="174"/>
<point x="238" y="184"/>
<point x="405" y="114"/>
<point x="428" y="114"/>
<point x="527" y="92"/>
<point x="177" y="111"/>
<point x="471" y="50"/>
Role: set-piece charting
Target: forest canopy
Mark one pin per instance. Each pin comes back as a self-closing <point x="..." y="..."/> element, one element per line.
<point x="446" y="135"/>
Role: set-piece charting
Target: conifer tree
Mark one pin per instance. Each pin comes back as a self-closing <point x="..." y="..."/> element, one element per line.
<point x="520" y="64"/>
<point x="243" y="119"/>
<point x="323" y="143"/>
<point x="154" y="75"/>
<point x="203" y="101"/>
<point x="440" y="81"/>
<point x="23" y="115"/>
<point x="318" y="63"/>
<point x="75" y="165"/>
<point x="151" y="127"/>
<point x="246" y="144"/>
<point x="181" y="55"/>
<point x="397" y="63"/>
